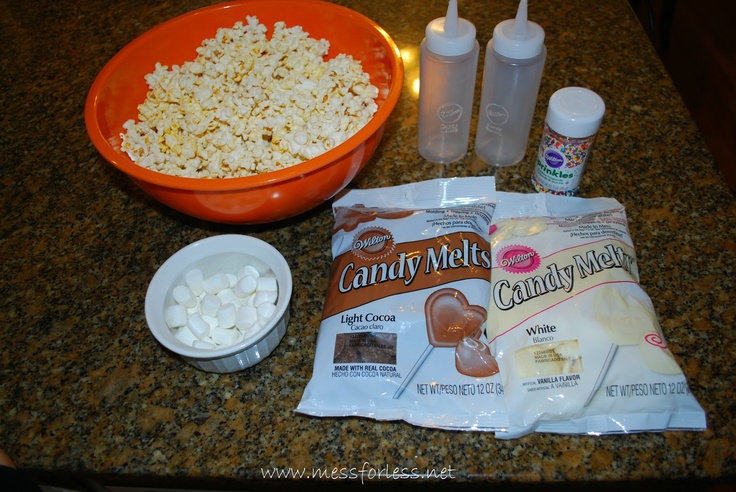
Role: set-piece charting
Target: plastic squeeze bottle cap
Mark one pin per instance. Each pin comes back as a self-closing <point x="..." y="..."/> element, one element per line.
<point x="518" y="38"/>
<point x="450" y="35"/>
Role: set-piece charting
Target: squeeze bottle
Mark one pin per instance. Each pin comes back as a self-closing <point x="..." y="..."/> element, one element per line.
<point x="447" y="70"/>
<point x="511" y="77"/>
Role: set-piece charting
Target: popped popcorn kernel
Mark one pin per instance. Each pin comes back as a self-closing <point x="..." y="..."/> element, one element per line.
<point x="249" y="105"/>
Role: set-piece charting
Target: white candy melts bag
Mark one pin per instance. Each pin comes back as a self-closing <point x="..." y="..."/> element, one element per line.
<point x="576" y="338"/>
<point x="402" y="333"/>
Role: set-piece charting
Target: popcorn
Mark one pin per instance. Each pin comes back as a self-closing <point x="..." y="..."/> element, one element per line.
<point x="249" y="105"/>
<point x="212" y="320"/>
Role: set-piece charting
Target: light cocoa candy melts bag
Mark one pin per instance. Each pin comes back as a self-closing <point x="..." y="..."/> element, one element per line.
<point x="402" y="334"/>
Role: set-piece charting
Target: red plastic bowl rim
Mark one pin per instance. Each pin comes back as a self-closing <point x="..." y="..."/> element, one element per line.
<point x="246" y="182"/>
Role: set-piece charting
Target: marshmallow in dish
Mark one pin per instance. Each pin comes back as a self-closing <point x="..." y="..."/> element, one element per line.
<point x="223" y="308"/>
<point x="221" y="303"/>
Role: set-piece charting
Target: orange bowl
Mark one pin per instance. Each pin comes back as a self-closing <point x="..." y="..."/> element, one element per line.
<point x="120" y="87"/>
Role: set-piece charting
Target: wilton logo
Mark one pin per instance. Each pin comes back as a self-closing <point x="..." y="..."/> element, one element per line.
<point x="497" y="114"/>
<point x="553" y="158"/>
<point x="450" y="113"/>
<point x="373" y="243"/>
<point x="518" y="259"/>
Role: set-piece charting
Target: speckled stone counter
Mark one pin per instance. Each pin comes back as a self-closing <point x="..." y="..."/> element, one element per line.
<point x="85" y="390"/>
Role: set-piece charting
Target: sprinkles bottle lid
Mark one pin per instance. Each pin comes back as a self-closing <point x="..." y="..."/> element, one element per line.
<point x="575" y="112"/>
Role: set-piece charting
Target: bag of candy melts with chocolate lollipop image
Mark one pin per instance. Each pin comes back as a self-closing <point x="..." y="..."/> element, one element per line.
<point x="576" y="338"/>
<point x="401" y="336"/>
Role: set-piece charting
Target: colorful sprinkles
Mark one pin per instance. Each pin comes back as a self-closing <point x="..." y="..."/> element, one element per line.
<point x="560" y="163"/>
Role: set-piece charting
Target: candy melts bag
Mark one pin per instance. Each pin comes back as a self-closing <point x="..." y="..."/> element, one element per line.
<point x="576" y="338"/>
<point x="402" y="333"/>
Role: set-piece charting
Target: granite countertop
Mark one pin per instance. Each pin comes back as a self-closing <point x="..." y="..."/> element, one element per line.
<point x="85" y="390"/>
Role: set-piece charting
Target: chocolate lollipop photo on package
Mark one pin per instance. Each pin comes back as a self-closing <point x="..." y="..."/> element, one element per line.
<point x="453" y="323"/>
<point x="402" y="335"/>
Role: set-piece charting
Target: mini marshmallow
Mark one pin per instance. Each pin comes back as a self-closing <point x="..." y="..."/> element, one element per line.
<point x="246" y="318"/>
<point x="265" y="311"/>
<point x="260" y="266"/>
<point x="203" y="344"/>
<point x="185" y="336"/>
<point x="249" y="270"/>
<point x="209" y="305"/>
<point x="222" y="336"/>
<point x="266" y="296"/>
<point x="176" y="316"/>
<point x="267" y="283"/>
<point x="182" y="295"/>
<point x="195" y="280"/>
<point x="226" y="315"/>
<point x="216" y="283"/>
<point x="245" y="286"/>
<point x="211" y="320"/>
<point x="216" y="311"/>
<point x="226" y="296"/>
<point x="198" y="326"/>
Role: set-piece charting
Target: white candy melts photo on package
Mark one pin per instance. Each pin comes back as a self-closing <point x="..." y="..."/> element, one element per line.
<point x="576" y="338"/>
<point x="402" y="335"/>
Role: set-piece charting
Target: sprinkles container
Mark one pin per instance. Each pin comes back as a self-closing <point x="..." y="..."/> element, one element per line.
<point x="573" y="117"/>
